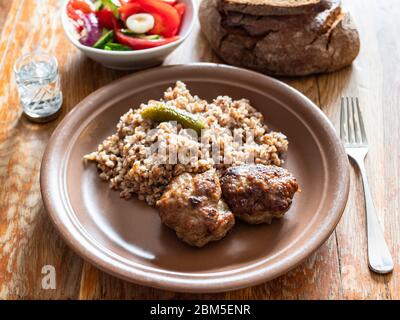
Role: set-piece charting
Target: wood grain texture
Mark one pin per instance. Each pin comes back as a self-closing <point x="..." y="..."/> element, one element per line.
<point x="4" y="8"/>
<point x="338" y="269"/>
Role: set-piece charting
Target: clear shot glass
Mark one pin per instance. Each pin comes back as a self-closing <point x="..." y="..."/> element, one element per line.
<point x="38" y="84"/>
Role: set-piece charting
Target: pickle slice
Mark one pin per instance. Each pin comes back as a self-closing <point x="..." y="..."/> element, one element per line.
<point x="161" y="113"/>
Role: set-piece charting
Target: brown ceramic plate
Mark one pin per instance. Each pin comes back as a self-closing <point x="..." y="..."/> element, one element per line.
<point x="126" y="238"/>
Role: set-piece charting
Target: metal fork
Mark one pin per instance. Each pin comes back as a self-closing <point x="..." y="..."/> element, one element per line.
<point x="353" y="135"/>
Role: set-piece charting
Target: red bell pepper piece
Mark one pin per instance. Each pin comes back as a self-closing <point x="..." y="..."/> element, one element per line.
<point x="76" y="7"/>
<point x="166" y="17"/>
<point x="106" y="18"/>
<point x="139" y="44"/>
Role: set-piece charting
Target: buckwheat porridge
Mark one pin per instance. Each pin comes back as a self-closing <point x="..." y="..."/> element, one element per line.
<point x="143" y="156"/>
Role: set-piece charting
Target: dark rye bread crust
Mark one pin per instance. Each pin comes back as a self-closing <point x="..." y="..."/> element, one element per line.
<point x="256" y="7"/>
<point x="282" y="45"/>
<point x="310" y="25"/>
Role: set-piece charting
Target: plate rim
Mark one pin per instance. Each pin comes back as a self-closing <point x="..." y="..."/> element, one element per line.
<point x="176" y="283"/>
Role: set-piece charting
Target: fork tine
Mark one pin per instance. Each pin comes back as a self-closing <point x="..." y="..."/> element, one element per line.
<point x="356" y="122"/>
<point x="350" y="123"/>
<point x="361" y="122"/>
<point x="343" y="129"/>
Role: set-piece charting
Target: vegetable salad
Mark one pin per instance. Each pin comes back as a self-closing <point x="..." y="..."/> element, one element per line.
<point x="120" y="25"/>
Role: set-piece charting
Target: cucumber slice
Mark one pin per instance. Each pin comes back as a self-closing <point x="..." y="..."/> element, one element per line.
<point x="128" y="32"/>
<point x="150" y="37"/>
<point x="107" y="37"/>
<point x="109" y="4"/>
<point x="141" y="36"/>
<point x="116" y="47"/>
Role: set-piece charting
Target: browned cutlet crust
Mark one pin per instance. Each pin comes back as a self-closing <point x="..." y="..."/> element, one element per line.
<point x="193" y="207"/>
<point x="258" y="193"/>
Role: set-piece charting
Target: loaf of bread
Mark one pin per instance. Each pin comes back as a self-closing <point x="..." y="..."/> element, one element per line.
<point x="294" y="44"/>
<point x="271" y="7"/>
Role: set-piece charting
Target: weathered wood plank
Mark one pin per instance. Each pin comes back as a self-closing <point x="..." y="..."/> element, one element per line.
<point x="27" y="240"/>
<point x="4" y="8"/>
<point x="374" y="79"/>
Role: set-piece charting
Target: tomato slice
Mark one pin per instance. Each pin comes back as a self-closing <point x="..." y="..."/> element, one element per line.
<point x="82" y="5"/>
<point x="129" y="9"/>
<point x="72" y="13"/>
<point x="158" y="25"/>
<point x="76" y="7"/>
<point x="181" y="8"/>
<point x="167" y="19"/>
<point x="139" y="44"/>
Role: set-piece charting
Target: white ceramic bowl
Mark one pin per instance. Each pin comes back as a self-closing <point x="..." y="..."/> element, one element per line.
<point x="139" y="59"/>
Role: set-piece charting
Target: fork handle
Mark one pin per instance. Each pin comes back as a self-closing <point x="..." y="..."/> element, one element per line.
<point x="379" y="258"/>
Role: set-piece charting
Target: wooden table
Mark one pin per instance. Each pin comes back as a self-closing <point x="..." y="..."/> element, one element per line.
<point x="338" y="270"/>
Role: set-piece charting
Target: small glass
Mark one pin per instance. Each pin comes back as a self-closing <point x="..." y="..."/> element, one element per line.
<point x="38" y="85"/>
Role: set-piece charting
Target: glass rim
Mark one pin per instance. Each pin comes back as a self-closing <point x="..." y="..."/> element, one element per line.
<point x="52" y="60"/>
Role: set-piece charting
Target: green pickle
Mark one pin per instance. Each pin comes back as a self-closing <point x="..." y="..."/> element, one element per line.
<point x="161" y="113"/>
